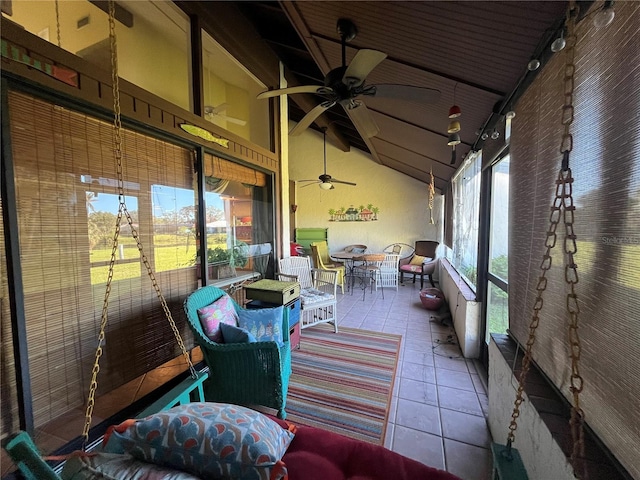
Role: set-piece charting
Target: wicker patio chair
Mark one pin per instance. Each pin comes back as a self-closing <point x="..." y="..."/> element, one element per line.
<point x="319" y="263"/>
<point x="318" y="302"/>
<point x="241" y="373"/>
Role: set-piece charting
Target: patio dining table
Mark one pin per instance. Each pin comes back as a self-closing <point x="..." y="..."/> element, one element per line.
<point x="349" y="259"/>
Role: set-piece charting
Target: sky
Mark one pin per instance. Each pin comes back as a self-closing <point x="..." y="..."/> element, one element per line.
<point x="164" y="199"/>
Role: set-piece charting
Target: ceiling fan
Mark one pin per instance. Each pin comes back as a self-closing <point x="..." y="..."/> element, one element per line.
<point x="211" y="111"/>
<point x="345" y="83"/>
<point x="325" y="180"/>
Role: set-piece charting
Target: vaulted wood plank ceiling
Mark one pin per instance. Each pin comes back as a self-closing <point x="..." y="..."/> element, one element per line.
<point x="475" y="53"/>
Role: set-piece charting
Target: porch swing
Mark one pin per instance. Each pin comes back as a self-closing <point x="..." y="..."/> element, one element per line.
<point x="507" y="462"/>
<point x="20" y="446"/>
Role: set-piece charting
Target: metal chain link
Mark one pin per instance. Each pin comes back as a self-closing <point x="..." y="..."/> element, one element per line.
<point x="432" y="194"/>
<point x="58" y="24"/>
<point x="122" y="210"/>
<point x="570" y="248"/>
<point x="564" y="208"/>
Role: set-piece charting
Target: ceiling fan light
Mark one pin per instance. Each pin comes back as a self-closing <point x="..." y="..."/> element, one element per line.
<point x="454" y="139"/>
<point x="454" y="127"/>
<point x="326" y="185"/>
<point x="454" y="111"/>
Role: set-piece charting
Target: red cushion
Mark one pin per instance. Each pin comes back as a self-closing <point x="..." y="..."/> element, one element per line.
<point x="411" y="268"/>
<point x="316" y="454"/>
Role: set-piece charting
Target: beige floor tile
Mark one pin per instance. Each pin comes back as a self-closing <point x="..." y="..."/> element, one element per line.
<point x="467" y="461"/>
<point x="460" y="400"/>
<point x="421" y="392"/>
<point x="423" y="447"/>
<point x="419" y="416"/>
<point x="454" y="379"/>
<point x="421" y="373"/>
<point x="465" y="428"/>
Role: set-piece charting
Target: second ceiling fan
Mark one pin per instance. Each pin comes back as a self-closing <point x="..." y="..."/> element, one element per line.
<point x="345" y="83"/>
<point x="325" y="180"/>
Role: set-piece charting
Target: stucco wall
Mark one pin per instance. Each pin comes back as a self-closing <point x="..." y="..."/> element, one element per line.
<point x="402" y="201"/>
<point x="542" y="456"/>
<point x="465" y="311"/>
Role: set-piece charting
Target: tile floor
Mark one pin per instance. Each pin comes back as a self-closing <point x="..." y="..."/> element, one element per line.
<point x="439" y="406"/>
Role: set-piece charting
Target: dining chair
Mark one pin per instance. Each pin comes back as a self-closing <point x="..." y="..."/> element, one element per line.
<point x="370" y="271"/>
<point x="356" y="248"/>
<point x="389" y="271"/>
<point x="317" y="249"/>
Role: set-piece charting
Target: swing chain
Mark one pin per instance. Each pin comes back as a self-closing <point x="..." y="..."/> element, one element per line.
<point x="58" y="23"/>
<point x="122" y="209"/>
<point x="570" y="248"/>
<point x="432" y="193"/>
<point x="561" y="208"/>
<point x="545" y="266"/>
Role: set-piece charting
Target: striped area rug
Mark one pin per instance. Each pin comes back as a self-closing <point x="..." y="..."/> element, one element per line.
<point x="343" y="381"/>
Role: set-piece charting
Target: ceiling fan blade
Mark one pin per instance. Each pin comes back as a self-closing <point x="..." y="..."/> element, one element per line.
<point x="315" y="180"/>
<point x="309" y="118"/>
<point x="211" y="110"/>
<point x="312" y="183"/>
<point x="333" y="180"/>
<point x="407" y="92"/>
<point x="364" y="122"/>
<point x="361" y="65"/>
<point x="289" y="91"/>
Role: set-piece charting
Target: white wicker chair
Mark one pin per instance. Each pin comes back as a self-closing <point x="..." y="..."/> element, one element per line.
<point x="317" y="290"/>
<point x="389" y="271"/>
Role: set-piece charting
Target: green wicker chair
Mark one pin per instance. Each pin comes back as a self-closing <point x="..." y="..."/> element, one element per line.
<point x="241" y="373"/>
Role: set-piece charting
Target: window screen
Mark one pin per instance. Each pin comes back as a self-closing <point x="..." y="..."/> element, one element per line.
<point x="606" y="167"/>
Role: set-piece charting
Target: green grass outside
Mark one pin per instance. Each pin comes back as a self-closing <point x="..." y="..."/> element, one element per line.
<point x="170" y="253"/>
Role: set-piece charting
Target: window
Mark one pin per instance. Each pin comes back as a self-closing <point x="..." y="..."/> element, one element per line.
<point x="67" y="201"/>
<point x="497" y="293"/>
<point x="229" y="95"/>
<point x="466" y="201"/>
<point x="153" y="40"/>
<point x="239" y="219"/>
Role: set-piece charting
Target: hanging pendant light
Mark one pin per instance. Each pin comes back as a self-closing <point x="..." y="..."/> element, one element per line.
<point x="454" y="139"/>
<point x="454" y="111"/>
<point x="454" y="127"/>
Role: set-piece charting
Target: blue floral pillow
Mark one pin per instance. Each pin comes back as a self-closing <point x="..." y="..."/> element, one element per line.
<point x="263" y="323"/>
<point x="209" y="440"/>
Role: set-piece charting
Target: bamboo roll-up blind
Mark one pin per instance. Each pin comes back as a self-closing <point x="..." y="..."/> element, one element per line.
<point x="224" y="169"/>
<point x="606" y="166"/>
<point x="61" y="159"/>
<point x="9" y="403"/>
